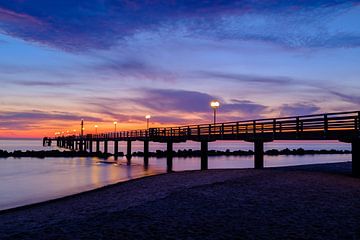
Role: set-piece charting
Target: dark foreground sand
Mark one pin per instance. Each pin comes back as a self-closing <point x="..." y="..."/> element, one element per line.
<point x="308" y="202"/>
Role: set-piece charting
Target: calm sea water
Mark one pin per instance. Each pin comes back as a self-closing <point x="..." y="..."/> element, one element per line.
<point x="30" y="180"/>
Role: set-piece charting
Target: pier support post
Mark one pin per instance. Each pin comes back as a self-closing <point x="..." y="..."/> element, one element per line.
<point x="76" y="145"/>
<point x="146" y="152"/>
<point x="169" y="156"/>
<point x="81" y="145"/>
<point x="90" y="146"/>
<point x="355" y="148"/>
<point x="97" y="146"/>
<point x="204" y="155"/>
<point x="105" y="146"/>
<point x="259" y="154"/>
<point x="116" y="149"/>
<point x="128" y="152"/>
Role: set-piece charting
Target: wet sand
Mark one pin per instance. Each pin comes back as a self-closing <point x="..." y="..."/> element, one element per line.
<point x="305" y="202"/>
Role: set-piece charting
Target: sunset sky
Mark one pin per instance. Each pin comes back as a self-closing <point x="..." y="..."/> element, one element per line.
<point x="107" y="61"/>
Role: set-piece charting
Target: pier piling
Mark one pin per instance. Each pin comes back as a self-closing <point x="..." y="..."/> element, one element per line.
<point x="81" y="145"/>
<point x="90" y="146"/>
<point x="169" y="158"/>
<point x="116" y="149"/>
<point x="146" y="152"/>
<point x="97" y="146"/>
<point x="259" y="154"/>
<point x="105" y="146"/>
<point x="128" y="152"/>
<point x="355" y="146"/>
<point x="204" y="155"/>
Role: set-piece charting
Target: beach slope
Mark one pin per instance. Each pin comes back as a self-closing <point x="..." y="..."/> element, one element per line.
<point x="305" y="202"/>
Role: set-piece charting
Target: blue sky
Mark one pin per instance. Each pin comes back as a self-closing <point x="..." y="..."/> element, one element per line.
<point x="103" y="61"/>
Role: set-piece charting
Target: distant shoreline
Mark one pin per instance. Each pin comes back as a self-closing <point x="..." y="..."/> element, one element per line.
<point x="162" y="154"/>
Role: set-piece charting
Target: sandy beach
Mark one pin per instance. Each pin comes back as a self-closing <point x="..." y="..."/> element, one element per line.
<point x="304" y="202"/>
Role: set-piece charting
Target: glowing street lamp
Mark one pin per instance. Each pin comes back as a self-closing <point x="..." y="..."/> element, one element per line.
<point x="214" y="104"/>
<point x="115" y="123"/>
<point x="147" y="117"/>
<point x="96" y="127"/>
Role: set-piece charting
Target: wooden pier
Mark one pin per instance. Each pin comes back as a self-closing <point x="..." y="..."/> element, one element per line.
<point x="342" y="126"/>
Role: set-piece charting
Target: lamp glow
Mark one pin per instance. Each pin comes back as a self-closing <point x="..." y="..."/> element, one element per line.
<point x="214" y="104"/>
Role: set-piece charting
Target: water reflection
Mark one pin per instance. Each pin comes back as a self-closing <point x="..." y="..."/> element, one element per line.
<point x="30" y="180"/>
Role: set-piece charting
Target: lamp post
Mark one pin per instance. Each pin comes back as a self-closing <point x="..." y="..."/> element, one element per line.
<point x="96" y="127"/>
<point x="115" y="123"/>
<point x="214" y="104"/>
<point x="147" y="117"/>
<point x="82" y="127"/>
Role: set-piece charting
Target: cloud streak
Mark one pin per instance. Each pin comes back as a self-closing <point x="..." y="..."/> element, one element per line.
<point x="246" y="78"/>
<point x="83" y="25"/>
<point x="42" y="83"/>
<point x="41" y="115"/>
<point x="134" y="69"/>
<point x="347" y="97"/>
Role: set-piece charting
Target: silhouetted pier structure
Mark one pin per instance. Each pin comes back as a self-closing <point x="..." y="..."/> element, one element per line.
<point x="343" y="126"/>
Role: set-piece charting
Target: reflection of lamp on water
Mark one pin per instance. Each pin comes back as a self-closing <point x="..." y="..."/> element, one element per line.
<point x="96" y="127"/>
<point x="147" y="117"/>
<point x="115" y="123"/>
<point x="215" y="104"/>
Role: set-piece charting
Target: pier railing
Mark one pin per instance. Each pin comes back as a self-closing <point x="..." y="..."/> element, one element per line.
<point x="318" y="123"/>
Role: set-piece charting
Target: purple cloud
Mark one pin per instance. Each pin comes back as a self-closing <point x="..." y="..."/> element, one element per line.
<point x="298" y="109"/>
<point x="91" y="24"/>
<point x="347" y="97"/>
<point x="247" y="108"/>
<point x="175" y="100"/>
<point x="165" y="100"/>
<point x="29" y="119"/>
